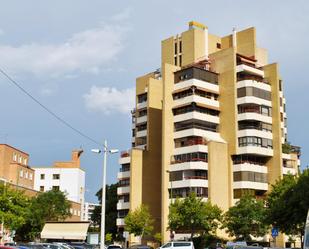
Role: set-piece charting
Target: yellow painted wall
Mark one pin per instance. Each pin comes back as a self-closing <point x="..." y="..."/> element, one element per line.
<point x="275" y="163"/>
<point x="212" y="43"/>
<point x="246" y="42"/>
<point x="167" y="141"/>
<point x="193" y="43"/>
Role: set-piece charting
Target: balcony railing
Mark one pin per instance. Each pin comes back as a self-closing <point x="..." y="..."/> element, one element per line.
<point x="189" y="160"/>
<point x="196" y="126"/>
<point x="190" y="142"/>
<point x="248" y="161"/>
<point x="241" y="77"/>
<point x="196" y="177"/>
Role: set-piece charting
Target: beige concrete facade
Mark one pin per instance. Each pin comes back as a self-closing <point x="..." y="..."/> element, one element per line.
<point x="216" y="124"/>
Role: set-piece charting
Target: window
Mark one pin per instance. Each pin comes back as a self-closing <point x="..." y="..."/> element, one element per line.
<point x="175" y="60"/>
<point x="25" y="161"/>
<point x="30" y="176"/>
<point x="42" y="176"/>
<point x="176" y="47"/>
<point x="55" y="188"/>
<point x="180" y="244"/>
<point x="14" y="157"/>
<point x="42" y="188"/>
<point x="26" y="174"/>
<point x="219" y="45"/>
<point x="142" y="98"/>
<point x="21" y="173"/>
<point x="167" y="245"/>
<point x="180" y="46"/>
<point x="252" y="91"/>
<point x="19" y="159"/>
<point x="56" y="176"/>
<point x="180" y="60"/>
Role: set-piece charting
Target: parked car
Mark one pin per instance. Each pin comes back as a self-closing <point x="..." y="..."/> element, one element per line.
<point x="140" y="247"/>
<point x="178" y="245"/>
<point x="113" y="247"/>
<point x="84" y="245"/>
<point x="7" y="247"/>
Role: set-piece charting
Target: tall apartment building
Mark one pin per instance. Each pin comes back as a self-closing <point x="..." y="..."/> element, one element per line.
<point x="211" y="120"/>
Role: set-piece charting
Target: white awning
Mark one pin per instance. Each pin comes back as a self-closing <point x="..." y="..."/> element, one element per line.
<point x="65" y="230"/>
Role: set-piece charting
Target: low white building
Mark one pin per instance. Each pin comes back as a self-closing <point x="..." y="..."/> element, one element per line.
<point x="88" y="209"/>
<point x="67" y="177"/>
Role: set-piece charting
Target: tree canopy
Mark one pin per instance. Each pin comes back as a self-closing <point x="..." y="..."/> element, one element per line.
<point x="194" y="215"/>
<point x="288" y="204"/>
<point x="246" y="218"/>
<point x="110" y="210"/>
<point x="13" y="207"/>
<point x="139" y="221"/>
<point x="46" y="206"/>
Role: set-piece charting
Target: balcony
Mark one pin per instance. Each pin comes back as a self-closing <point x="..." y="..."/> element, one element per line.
<point x="190" y="183"/>
<point x="121" y="175"/>
<point x="141" y="119"/>
<point x="202" y="101"/>
<point x="201" y="165"/>
<point x="255" y="150"/>
<point x="123" y="190"/>
<point x="250" y="185"/>
<point x="253" y="83"/>
<point x="120" y="222"/>
<point x="197" y="83"/>
<point x="249" y="70"/>
<point x="254" y="133"/>
<point x="249" y="166"/>
<point x="195" y="72"/>
<point x="198" y="116"/>
<point x="141" y="105"/>
<point x="123" y="205"/>
<point x="142" y="133"/>
<point x="209" y="135"/>
<point x="288" y="171"/>
<point x="124" y="160"/>
<point x="253" y="100"/>
<point x="191" y="149"/>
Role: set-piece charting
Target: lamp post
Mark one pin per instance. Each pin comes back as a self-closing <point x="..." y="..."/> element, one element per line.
<point x="105" y="151"/>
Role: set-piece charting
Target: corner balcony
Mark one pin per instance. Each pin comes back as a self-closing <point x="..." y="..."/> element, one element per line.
<point x="121" y="175"/>
<point x="253" y="100"/>
<point x="254" y="83"/>
<point x="202" y="101"/>
<point x="254" y="133"/>
<point x="198" y="83"/>
<point x="141" y="105"/>
<point x="120" y="222"/>
<point x="123" y="190"/>
<point x="256" y="150"/>
<point x="197" y="116"/>
<point x="250" y="185"/>
<point x="249" y="166"/>
<point x="123" y="205"/>
<point x="188" y="166"/>
<point x="189" y="183"/>
<point x="250" y="70"/>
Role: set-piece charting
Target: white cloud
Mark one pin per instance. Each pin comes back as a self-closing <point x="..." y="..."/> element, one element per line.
<point x="86" y="51"/>
<point x="110" y="100"/>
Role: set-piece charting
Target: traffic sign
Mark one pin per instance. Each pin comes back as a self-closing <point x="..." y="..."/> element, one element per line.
<point x="274" y="232"/>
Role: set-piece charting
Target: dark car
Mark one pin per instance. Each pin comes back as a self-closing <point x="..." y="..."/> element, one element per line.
<point x="113" y="247"/>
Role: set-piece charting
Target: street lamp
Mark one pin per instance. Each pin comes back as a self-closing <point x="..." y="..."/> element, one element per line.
<point x="105" y="151"/>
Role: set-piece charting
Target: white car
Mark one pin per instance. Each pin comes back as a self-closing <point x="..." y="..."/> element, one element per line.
<point x="178" y="245"/>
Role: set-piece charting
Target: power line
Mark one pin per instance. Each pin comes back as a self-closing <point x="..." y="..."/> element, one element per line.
<point x="48" y="110"/>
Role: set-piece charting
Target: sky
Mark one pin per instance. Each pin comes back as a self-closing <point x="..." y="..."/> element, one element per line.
<point x="80" y="59"/>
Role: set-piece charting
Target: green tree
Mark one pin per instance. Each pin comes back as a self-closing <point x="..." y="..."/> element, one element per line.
<point x="194" y="215"/>
<point x="47" y="206"/>
<point x="246" y="218"/>
<point x="139" y="221"/>
<point x="13" y="207"/>
<point x="288" y="204"/>
<point x="110" y="210"/>
<point x="158" y="238"/>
